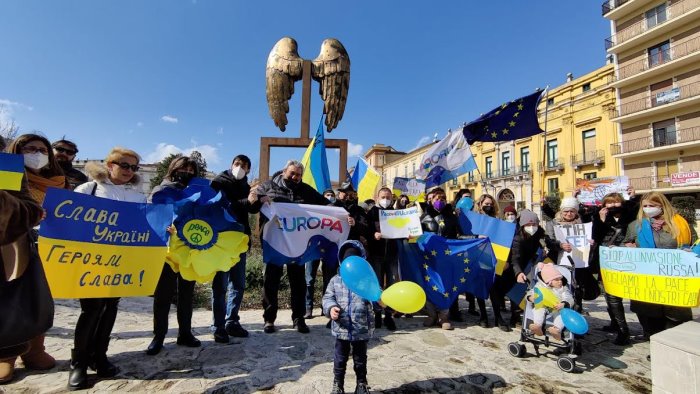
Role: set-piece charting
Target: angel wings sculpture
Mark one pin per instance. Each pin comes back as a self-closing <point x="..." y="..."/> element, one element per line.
<point x="331" y="69"/>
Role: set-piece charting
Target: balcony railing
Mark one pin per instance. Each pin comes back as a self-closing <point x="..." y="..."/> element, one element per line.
<point x="657" y="140"/>
<point x="650" y="182"/>
<point x="594" y="157"/>
<point x="661" y="98"/>
<point x="610" y="5"/>
<point x="509" y="172"/>
<point x="551" y="165"/>
<point x="675" y="52"/>
<point x="673" y="11"/>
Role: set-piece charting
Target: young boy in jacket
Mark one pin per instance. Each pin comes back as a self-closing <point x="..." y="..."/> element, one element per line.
<point x="353" y="324"/>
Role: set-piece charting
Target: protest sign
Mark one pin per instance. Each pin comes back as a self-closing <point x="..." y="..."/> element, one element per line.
<point x="400" y="223"/>
<point x="413" y="188"/>
<point x="94" y="247"/>
<point x="578" y="236"/>
<point x="592" y="191"/>
<point x="659" y="276"/>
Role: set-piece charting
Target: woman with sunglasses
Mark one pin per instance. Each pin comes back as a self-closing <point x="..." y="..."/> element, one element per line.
<point x="116" y="179"/>
<point x="42" y="172"/>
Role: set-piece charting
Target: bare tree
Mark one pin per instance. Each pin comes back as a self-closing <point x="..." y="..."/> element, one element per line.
<point x="8" y="128"/>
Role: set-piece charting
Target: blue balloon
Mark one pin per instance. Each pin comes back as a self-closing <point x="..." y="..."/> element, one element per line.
<point x="360" y="278"/>
<point x="465" y="204"/>
<point x="573" y="321"/>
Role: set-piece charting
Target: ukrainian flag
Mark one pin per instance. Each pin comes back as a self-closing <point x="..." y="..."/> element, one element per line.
<point x="500" y="233"/>
<point x="365" y="180"/>
<point x="315" y="162"/>
<point x="11" y="171"/>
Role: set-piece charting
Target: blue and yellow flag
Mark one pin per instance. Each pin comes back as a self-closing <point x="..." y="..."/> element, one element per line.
<point x="315" y="162"/>
<point x="507" y="122"/>
<point x="500" y="233"/>
<point x="444" y="268"/>
<point x="11" y="171"/>
<point x="365" y="180"/>
<point x="95" y="247"/>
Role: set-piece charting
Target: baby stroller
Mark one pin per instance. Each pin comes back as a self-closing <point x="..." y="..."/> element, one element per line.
<point x="568" y="344"/>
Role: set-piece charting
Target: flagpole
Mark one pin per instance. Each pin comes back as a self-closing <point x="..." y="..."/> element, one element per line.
<point x="544" y="150"/>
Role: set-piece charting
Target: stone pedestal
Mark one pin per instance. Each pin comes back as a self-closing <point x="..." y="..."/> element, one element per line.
<point x="675" y="359"/>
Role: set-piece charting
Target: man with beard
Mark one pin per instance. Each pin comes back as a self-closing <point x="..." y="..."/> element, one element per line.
<point x="64" y="151"/>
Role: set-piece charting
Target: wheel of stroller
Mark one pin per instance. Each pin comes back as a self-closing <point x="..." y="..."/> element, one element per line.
<point x="516" y="349"/>
<point x="566" y="364"/>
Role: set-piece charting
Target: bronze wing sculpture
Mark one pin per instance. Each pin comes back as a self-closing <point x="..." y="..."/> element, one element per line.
<point x="331" y="69"/>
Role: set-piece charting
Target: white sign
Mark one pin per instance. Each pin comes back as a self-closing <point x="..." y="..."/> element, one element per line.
<point x="400" y="223"/>
<point x="685" y="178"/>
<point x="578" y="236"/>
<point x="668" y="96"/>
<point x="592" y="191"/>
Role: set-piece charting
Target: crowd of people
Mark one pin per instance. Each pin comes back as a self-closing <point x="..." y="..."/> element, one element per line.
<point x="615" y="222"/>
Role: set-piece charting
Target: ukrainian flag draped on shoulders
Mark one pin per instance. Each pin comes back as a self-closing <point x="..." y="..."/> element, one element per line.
<point x="509" y="121"/>
<point x="315" y="162"/>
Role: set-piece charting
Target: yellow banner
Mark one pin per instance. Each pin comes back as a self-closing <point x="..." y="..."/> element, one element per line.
<point x="86" y="270"/>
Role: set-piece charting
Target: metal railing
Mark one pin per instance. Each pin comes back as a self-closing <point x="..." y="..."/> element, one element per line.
<point x="551" y="165"/>
<point x="673" y="11"/>
<point x="657" y="140"/>
<point x="675" y="52"/>
<point x="585" y="158"/>
<point x="610" y="5"/>
<point x="650" y="182"/>
<point x="644" y="103"/>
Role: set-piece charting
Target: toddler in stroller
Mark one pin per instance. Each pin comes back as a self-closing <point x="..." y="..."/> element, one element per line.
<point x="550" y="279"/>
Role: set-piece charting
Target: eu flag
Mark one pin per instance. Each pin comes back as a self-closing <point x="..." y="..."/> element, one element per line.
<point x="507" y="122"/>
<point x="444" y="268"/>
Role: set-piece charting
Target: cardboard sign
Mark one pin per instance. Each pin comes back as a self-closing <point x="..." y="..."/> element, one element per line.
<point x="413" y="188"/>
<point x="578" y="235"/>
<point x="592" y="191"/>
<point x="400" y="223"/>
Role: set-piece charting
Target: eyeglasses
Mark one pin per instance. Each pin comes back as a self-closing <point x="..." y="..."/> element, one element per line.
<point x="69" y="152"/>
<point x="34" y="149"/>
<point x="127" y="166"/>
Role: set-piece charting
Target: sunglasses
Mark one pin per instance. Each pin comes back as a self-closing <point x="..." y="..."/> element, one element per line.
<point x="127" y="166"/>
<point x="33" y="149"/>
<point x="69" y="152"/>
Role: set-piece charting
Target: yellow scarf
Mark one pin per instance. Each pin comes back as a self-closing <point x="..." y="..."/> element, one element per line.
<point x="38" y="185"/>
<point x="683" y="237"/>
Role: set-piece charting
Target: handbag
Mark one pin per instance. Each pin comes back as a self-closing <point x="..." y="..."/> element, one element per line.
<point x="26" y="304"/>
<point x="587" y="283"/>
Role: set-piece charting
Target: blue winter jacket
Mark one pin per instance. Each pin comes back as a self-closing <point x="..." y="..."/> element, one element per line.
<point x="356" y="321"/>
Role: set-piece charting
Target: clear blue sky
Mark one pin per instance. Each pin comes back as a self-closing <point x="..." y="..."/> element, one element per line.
<point x="164" y="76"/>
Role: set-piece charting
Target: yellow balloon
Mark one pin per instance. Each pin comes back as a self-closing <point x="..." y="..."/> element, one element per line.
<point x="544" y="298"/>
<point x="404" y="297"/>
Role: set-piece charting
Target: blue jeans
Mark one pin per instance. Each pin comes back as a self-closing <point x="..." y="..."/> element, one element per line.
<point x="311" y="270"/>
<point x="227" y="293"/>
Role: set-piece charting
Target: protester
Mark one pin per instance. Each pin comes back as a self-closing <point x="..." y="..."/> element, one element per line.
<point x="658" y="226"/>
<point x="384" y="255"/>
<point x="486" y="205"/>
<point x="352" y="326"/>
<point x="552" y="280"/>
<point x="526" y="243"/>
<point x="180" y="171"/>
<point x="116" y="179"/>
<point x="468" y="296"/>
<point x="285" y="187"/>
<point x="402" y="202"/>
<point x="228" y="287"/>
<point x="65" y="151"/>
<point x="510" y="215"/>
<point x="42" y="169"/>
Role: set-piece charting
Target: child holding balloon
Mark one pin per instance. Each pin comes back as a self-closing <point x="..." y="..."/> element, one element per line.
<point x="551" y="280"/>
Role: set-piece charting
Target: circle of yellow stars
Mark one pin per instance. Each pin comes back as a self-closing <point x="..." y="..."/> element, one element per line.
<point x="512" y="123"/>
<point x="447" y="252"/>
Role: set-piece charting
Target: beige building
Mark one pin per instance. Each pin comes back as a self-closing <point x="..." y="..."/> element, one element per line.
<point x="656" y="46"/>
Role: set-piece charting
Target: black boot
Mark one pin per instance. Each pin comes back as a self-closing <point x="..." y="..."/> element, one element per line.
<point x="337" y="387"/>
<point x="77" y="379"/>
<point x="361" y="388"/>
<point x="103" y="367"/>
<point x="155" y="346"/>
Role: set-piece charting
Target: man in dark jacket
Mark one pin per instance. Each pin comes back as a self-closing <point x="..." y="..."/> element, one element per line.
<point x="64" y="151"/>
<point x="233" y="184"/>
<point x="285" y="187"/>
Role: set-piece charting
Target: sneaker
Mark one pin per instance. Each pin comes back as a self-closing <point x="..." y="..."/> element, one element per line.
<point x="361" y="388"/>
<point x="301" y="326"/>
<point x="269" y="328"/>
<point x="389" y="323"/>
<point x="337" y="388"/>
<point x="236" y="330"/>
<point x="220" y="336"/>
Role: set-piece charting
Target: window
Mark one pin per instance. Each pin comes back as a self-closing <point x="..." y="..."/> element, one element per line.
<point x="586" y="87"/>
<point x="552" y="153"/>
<point x="380" y="160"/>
<point x="550" y="102"/>
<point x="489" y="167"/>
<point x="589" y="153"/>
<point x="590" y="175"/>
<point x="664" y="169"/>
<point x="659" y="54"/>
<point x="553" y="185"/>
<point x="470" y="176"/>
<point x="656" y="15"/>
<point x="525" y="159"/>
<point x="405" y="170"/>
<point x="505" y="163"/>
<point x="664" y="132"/>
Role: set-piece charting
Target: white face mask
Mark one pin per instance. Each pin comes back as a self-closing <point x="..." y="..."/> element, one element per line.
<point x="652" y="212"/>
<point x="331" y="199"/>
<point x="530" y="229"/>
<point x="385" y="203"/>
<point x="36" y="161"/>
<point x="510" y="218"/>
<point x="238" y="172"/>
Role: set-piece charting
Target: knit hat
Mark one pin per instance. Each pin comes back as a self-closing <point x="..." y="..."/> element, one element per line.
<point x="527" y="217"/>
<point x="569" y="203"/>
<point x="509" y="209"/>
<point x="548" y="272"/>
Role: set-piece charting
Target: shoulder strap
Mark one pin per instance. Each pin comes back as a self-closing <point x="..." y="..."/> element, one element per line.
<point x="94" y="188"/>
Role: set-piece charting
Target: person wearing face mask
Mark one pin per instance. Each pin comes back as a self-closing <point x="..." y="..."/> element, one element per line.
<point x="286" y="186"/>
<point x="402" y="202"/>
<point x="384" y="255"/>
<point x="227" y="288"/>
<point x="527" y="241"/>
<point x="510" y="215"/>
<point x="42" y="168"/>
<point x="116" y="179"/>
<point x="65" y="151"/>
<point x="658" y="225"/>
<point x="180" y="171"/>
<point x="610" y="229"/>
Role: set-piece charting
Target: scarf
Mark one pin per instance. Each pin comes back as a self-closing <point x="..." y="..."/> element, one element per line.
<point x="38" y="185"/>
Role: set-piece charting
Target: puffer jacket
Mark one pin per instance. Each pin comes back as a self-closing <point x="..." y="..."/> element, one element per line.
<point x="356" y="321"/>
